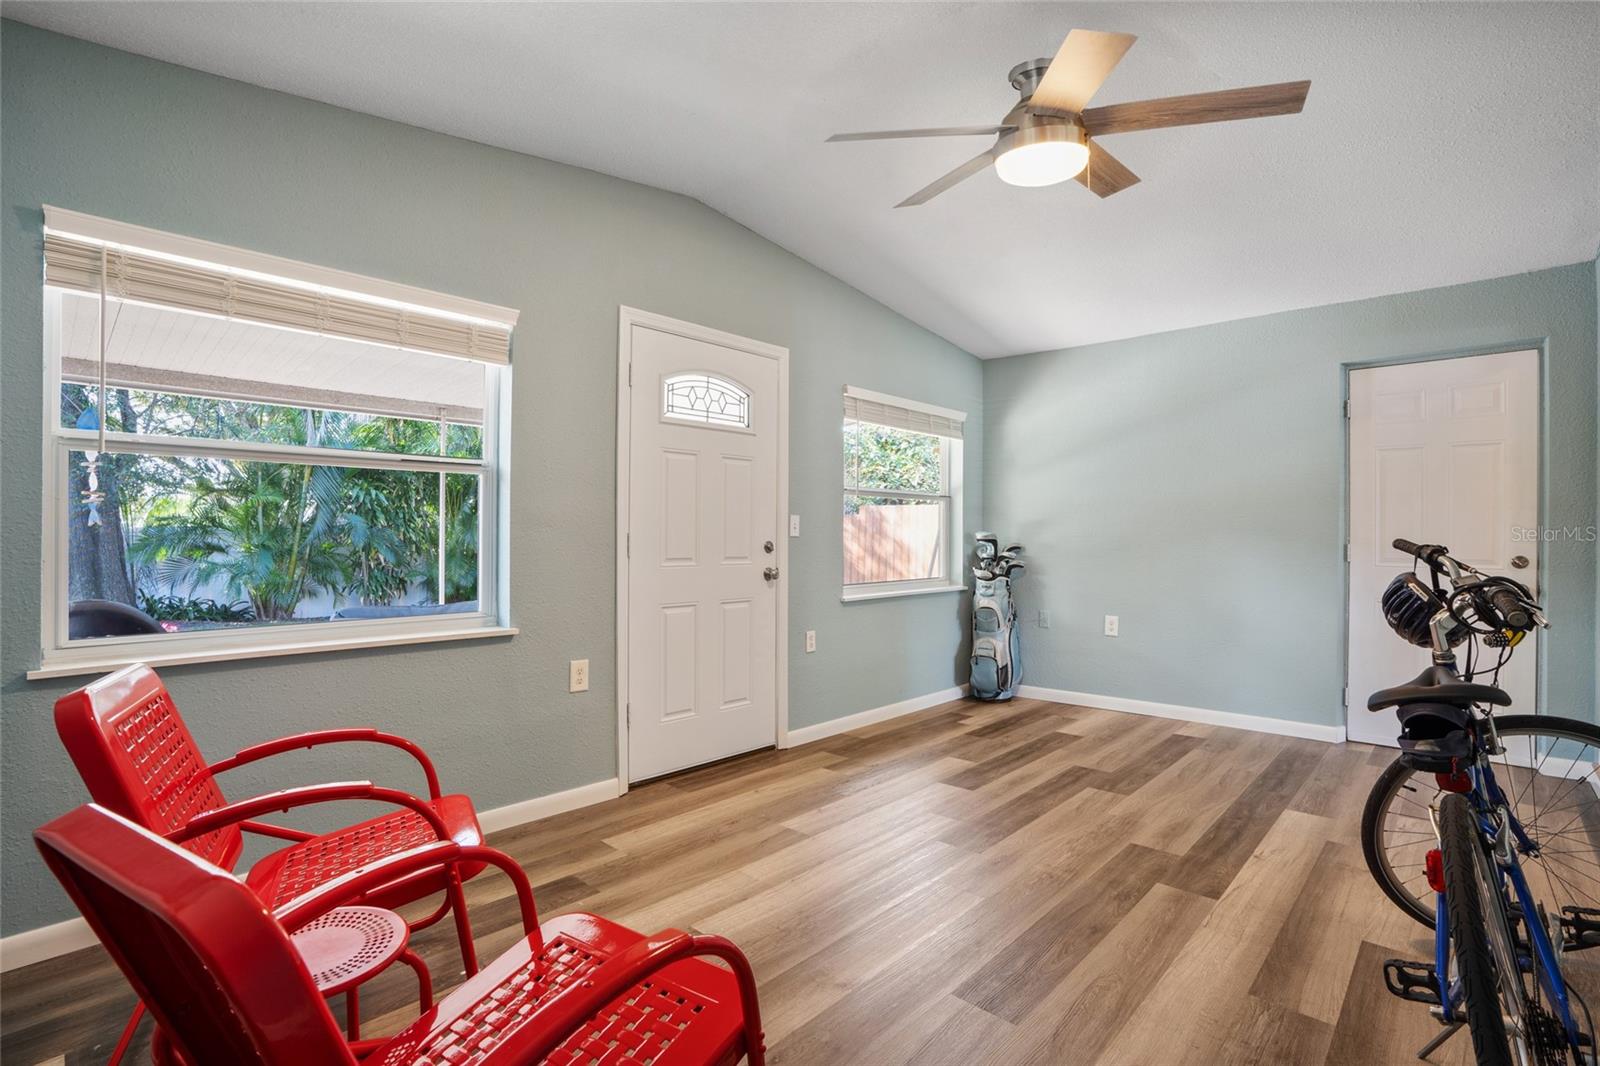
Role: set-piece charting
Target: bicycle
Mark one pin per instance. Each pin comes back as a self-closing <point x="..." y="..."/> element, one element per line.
<point x="1474" y="803"/>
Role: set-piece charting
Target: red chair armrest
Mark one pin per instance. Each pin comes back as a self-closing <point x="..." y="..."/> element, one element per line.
<point x="302" y="741"/>
<point x="306" y="795"/>
<point x="560" y="1016"/>
<point x="353" y="887"/>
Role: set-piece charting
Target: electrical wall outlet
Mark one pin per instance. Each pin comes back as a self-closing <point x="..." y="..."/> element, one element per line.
<point x="1044" y="619"/>
<point x="794" y="525"/>
<point x="578" y="675"/>
<point x="811" y="640"/>
<point x="1111" y="625"/>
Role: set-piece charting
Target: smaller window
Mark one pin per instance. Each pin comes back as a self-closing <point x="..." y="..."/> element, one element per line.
<point x="705" y="398"/>
<point x="902" y="500"/>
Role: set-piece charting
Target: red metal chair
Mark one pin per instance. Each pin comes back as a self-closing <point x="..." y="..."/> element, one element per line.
<point x="226" y="986"/>
<point x="138" y="759"/>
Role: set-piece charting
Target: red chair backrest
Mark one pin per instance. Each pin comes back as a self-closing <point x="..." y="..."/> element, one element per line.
<point x="138" y="759"/>
<point x="203" y="953"/>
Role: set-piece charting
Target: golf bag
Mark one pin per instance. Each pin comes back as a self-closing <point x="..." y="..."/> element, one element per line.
<point x="996" y="642"/>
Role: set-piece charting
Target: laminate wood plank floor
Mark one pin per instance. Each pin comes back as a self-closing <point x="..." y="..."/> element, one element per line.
<point x="1029" y="883"/>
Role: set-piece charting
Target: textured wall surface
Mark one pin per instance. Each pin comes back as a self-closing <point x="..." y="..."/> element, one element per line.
<point x="128" y="138"/>
<point x="1192" y="484"/>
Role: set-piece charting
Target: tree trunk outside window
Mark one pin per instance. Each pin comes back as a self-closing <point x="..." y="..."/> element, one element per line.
<point x="97" y="556"/>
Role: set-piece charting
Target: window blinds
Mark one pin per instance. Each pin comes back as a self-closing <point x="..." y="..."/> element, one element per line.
<point x="131" y="274"/>
<point x="863" y="406"/>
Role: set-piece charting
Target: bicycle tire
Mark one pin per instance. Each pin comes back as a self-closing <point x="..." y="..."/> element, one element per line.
<point x="1372" y="846"/>
<point x="1469" y="939"/>
<point x="1377" y="804"/>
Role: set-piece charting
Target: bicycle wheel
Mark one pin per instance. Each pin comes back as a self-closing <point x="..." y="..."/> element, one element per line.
<point x="1482" y="955"/>
<point x="1551" y="783"/>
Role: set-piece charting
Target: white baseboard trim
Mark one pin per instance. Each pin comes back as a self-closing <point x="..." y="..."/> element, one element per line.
<point x="37" y="945"/>
<point x="810" y="733"/>
<point x="1331" y="734"/>
<point x="515" y="814"/>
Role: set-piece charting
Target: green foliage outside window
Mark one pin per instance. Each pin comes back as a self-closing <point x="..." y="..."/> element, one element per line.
<point x="894" y="460"/>
<point x="271" y="534"/>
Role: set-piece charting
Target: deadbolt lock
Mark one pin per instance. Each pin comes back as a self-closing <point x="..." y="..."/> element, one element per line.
<point x="768" y="547"/>
<point x="1519" y="561"/>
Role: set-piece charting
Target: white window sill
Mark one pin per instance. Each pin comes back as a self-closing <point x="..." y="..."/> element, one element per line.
<point x="857" y="596"/>
<point x="105" y="659"/>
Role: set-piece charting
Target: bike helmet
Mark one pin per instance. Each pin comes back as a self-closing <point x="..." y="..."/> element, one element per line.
<point x="1409" y="606"/>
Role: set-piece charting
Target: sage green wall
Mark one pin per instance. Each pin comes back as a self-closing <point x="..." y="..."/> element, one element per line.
<point x="1192" y="484"/>
<point x="112" y="134"/>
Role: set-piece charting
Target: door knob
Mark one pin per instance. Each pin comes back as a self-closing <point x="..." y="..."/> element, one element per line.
<point x="770" y="573"/>
<point x="1519" y="561"/>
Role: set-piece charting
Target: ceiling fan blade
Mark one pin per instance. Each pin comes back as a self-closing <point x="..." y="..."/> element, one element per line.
<point x="1105" y="173"/>
<point x="940" y="131"/>
<point x="1084" y="62"/>
<point x="1257" y="101"/>
<point x="955" y="177"/>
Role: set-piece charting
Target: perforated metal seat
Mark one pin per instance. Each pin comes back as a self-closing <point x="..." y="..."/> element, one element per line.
<point x="297" y="869"/>
<point x="687" y="1013"/>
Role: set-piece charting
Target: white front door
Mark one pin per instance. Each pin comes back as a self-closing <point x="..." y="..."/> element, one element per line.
<point x="1441" y="452"/>
<point x="703" y="549"/>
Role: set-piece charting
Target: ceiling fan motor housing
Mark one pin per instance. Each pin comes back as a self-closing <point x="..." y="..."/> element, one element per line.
<point x="1026" y="75"/>
<point x="1036" y="127"/>
<point x="1041" y="129"/>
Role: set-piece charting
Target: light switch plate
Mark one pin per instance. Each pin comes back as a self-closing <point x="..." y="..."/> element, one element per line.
<point x="1044" y="619"/>
<point x="578" y="675"/>
<point x="794" y="525"/>
<point x="811" y="640"/>
<point x="1111" y="625"/>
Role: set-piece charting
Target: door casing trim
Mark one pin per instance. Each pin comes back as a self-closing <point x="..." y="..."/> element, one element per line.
<point x="627" y="318"/>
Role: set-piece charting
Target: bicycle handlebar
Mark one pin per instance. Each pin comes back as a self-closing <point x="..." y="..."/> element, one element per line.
<point x="1511" y="608"/>
<point x="1494" y="596"/>
<point x="1428" y="553"/>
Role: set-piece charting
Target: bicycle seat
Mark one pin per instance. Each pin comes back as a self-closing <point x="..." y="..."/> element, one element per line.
<point x="1438" y="684"/>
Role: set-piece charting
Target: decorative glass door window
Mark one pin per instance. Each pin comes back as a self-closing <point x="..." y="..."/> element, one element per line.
<point x="705" y="398"/>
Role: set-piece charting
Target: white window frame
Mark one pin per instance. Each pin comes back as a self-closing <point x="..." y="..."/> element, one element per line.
<point x="61" y="657"/>
<point x="951" y="458"/>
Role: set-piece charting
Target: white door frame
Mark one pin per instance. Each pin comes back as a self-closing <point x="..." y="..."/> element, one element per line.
<point x="1355" y="701"/>
<point x="627" y="318"/>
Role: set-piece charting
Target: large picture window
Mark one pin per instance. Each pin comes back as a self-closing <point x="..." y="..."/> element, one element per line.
<point x="901" y="495"/>
<point x="240" y="461"/>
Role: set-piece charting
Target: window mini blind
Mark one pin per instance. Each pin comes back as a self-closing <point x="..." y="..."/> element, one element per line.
<point x="863" y="406"/>
<point x="134" y="275"/>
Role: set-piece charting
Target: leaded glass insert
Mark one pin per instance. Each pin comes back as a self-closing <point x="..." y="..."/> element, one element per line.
<point x="699" y="397"/>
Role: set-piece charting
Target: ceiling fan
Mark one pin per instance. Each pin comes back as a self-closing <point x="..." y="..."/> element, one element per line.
<point x="1048" y="136"/>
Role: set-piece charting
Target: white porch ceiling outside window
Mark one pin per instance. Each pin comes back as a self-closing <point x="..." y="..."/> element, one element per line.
<point x="174" y="351"/>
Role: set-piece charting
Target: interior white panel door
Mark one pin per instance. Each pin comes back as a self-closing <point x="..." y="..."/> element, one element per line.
<point x="1441" y="452"/>
<point x="703" y="527"/>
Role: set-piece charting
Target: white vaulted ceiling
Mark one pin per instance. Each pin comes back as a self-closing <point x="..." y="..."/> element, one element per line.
<point x="1441" y="143"/>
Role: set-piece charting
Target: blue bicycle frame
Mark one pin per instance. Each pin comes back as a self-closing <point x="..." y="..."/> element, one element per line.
<point x="1486" y="797"/>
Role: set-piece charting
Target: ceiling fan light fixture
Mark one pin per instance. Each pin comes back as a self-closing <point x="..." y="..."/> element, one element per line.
<point x="1044" y="154"/>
